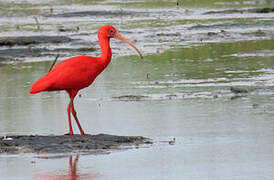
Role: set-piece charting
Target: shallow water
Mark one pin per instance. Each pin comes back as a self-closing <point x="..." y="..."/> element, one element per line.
<point x="180" y="89"/>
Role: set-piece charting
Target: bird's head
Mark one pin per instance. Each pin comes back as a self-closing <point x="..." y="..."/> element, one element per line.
<point x="109" y="31"/>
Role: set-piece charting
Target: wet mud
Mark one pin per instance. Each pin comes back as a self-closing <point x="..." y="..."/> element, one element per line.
<point x="131" y="98"/>
<point x="92" y="144"/>
<point x="17" y="54"/>
<point x="232" y="92"/>
<point x="101" y="13"/>
<point x="238" y="90"/>
<point x="232" y="11"/>
<point x="20" y="47"/>
<point x="151" y="30"/>
<point x="30" y="40"/>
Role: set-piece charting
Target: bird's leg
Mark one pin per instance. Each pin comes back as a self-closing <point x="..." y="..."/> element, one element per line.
<point x="69" y="119"/>
<point x="76" y="118"/>
<point x="74" y="166"/>
<point x="70" y="162"/>
<point x="71" y="109"/>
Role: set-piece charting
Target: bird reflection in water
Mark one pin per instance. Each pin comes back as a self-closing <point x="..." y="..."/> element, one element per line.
<point x="70" y="174"/>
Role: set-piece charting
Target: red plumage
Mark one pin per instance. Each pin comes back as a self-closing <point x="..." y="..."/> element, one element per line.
<point x="74" y="73"/>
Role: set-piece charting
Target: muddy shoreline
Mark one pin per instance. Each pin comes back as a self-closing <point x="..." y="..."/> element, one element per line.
<point x="91" y="144"/>
<point x="62" y="33"/>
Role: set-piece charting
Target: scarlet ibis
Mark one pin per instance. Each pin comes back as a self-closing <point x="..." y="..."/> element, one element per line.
<point x="79" y="72"/>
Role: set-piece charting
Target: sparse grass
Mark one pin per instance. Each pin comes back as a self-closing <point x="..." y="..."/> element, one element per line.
<point x="270" y="21"/>
<point x="200" y="21"/>
<point x="83" y="2"/>
<point x="19" y="8"/>
<point x="25" y="27"/>
<point x="148" y="23"/>
<point x="244" y="20"/>
<point x="156" y="23"/>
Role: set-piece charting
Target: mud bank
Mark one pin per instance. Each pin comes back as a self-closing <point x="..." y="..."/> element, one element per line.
<point x="101" y="13"/>
<point x="253" y="10"/>
<point x="92" y="144"/>
<point x="72" y="32"/>
<point x="21" y="53"/>
<point x="24" y="40"/>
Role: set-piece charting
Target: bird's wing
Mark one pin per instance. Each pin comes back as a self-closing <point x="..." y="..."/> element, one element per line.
<point x="74" y="73"/>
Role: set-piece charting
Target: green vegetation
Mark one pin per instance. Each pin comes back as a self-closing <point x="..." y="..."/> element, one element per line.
<point x="19" y="9"/>
<point x="208" y="60"/>
<point x="83" y="2"/>
<point x="155" y="23"/>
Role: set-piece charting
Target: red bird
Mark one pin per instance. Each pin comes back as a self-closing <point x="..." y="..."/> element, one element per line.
<point x="79" y="72"/>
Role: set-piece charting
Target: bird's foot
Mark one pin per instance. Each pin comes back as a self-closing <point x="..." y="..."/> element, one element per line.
<point x="68" y="134"/>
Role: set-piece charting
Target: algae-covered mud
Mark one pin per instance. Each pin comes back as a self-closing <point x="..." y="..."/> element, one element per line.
<point x="207" y="80"/>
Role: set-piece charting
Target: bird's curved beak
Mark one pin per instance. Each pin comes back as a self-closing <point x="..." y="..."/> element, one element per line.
<point x="122" y="38"/>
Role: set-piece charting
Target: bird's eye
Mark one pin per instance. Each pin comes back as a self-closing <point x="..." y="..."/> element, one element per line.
<point x="111" y="31"/>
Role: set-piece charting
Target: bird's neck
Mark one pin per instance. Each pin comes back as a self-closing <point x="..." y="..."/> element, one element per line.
<point x="105" y="50"/>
